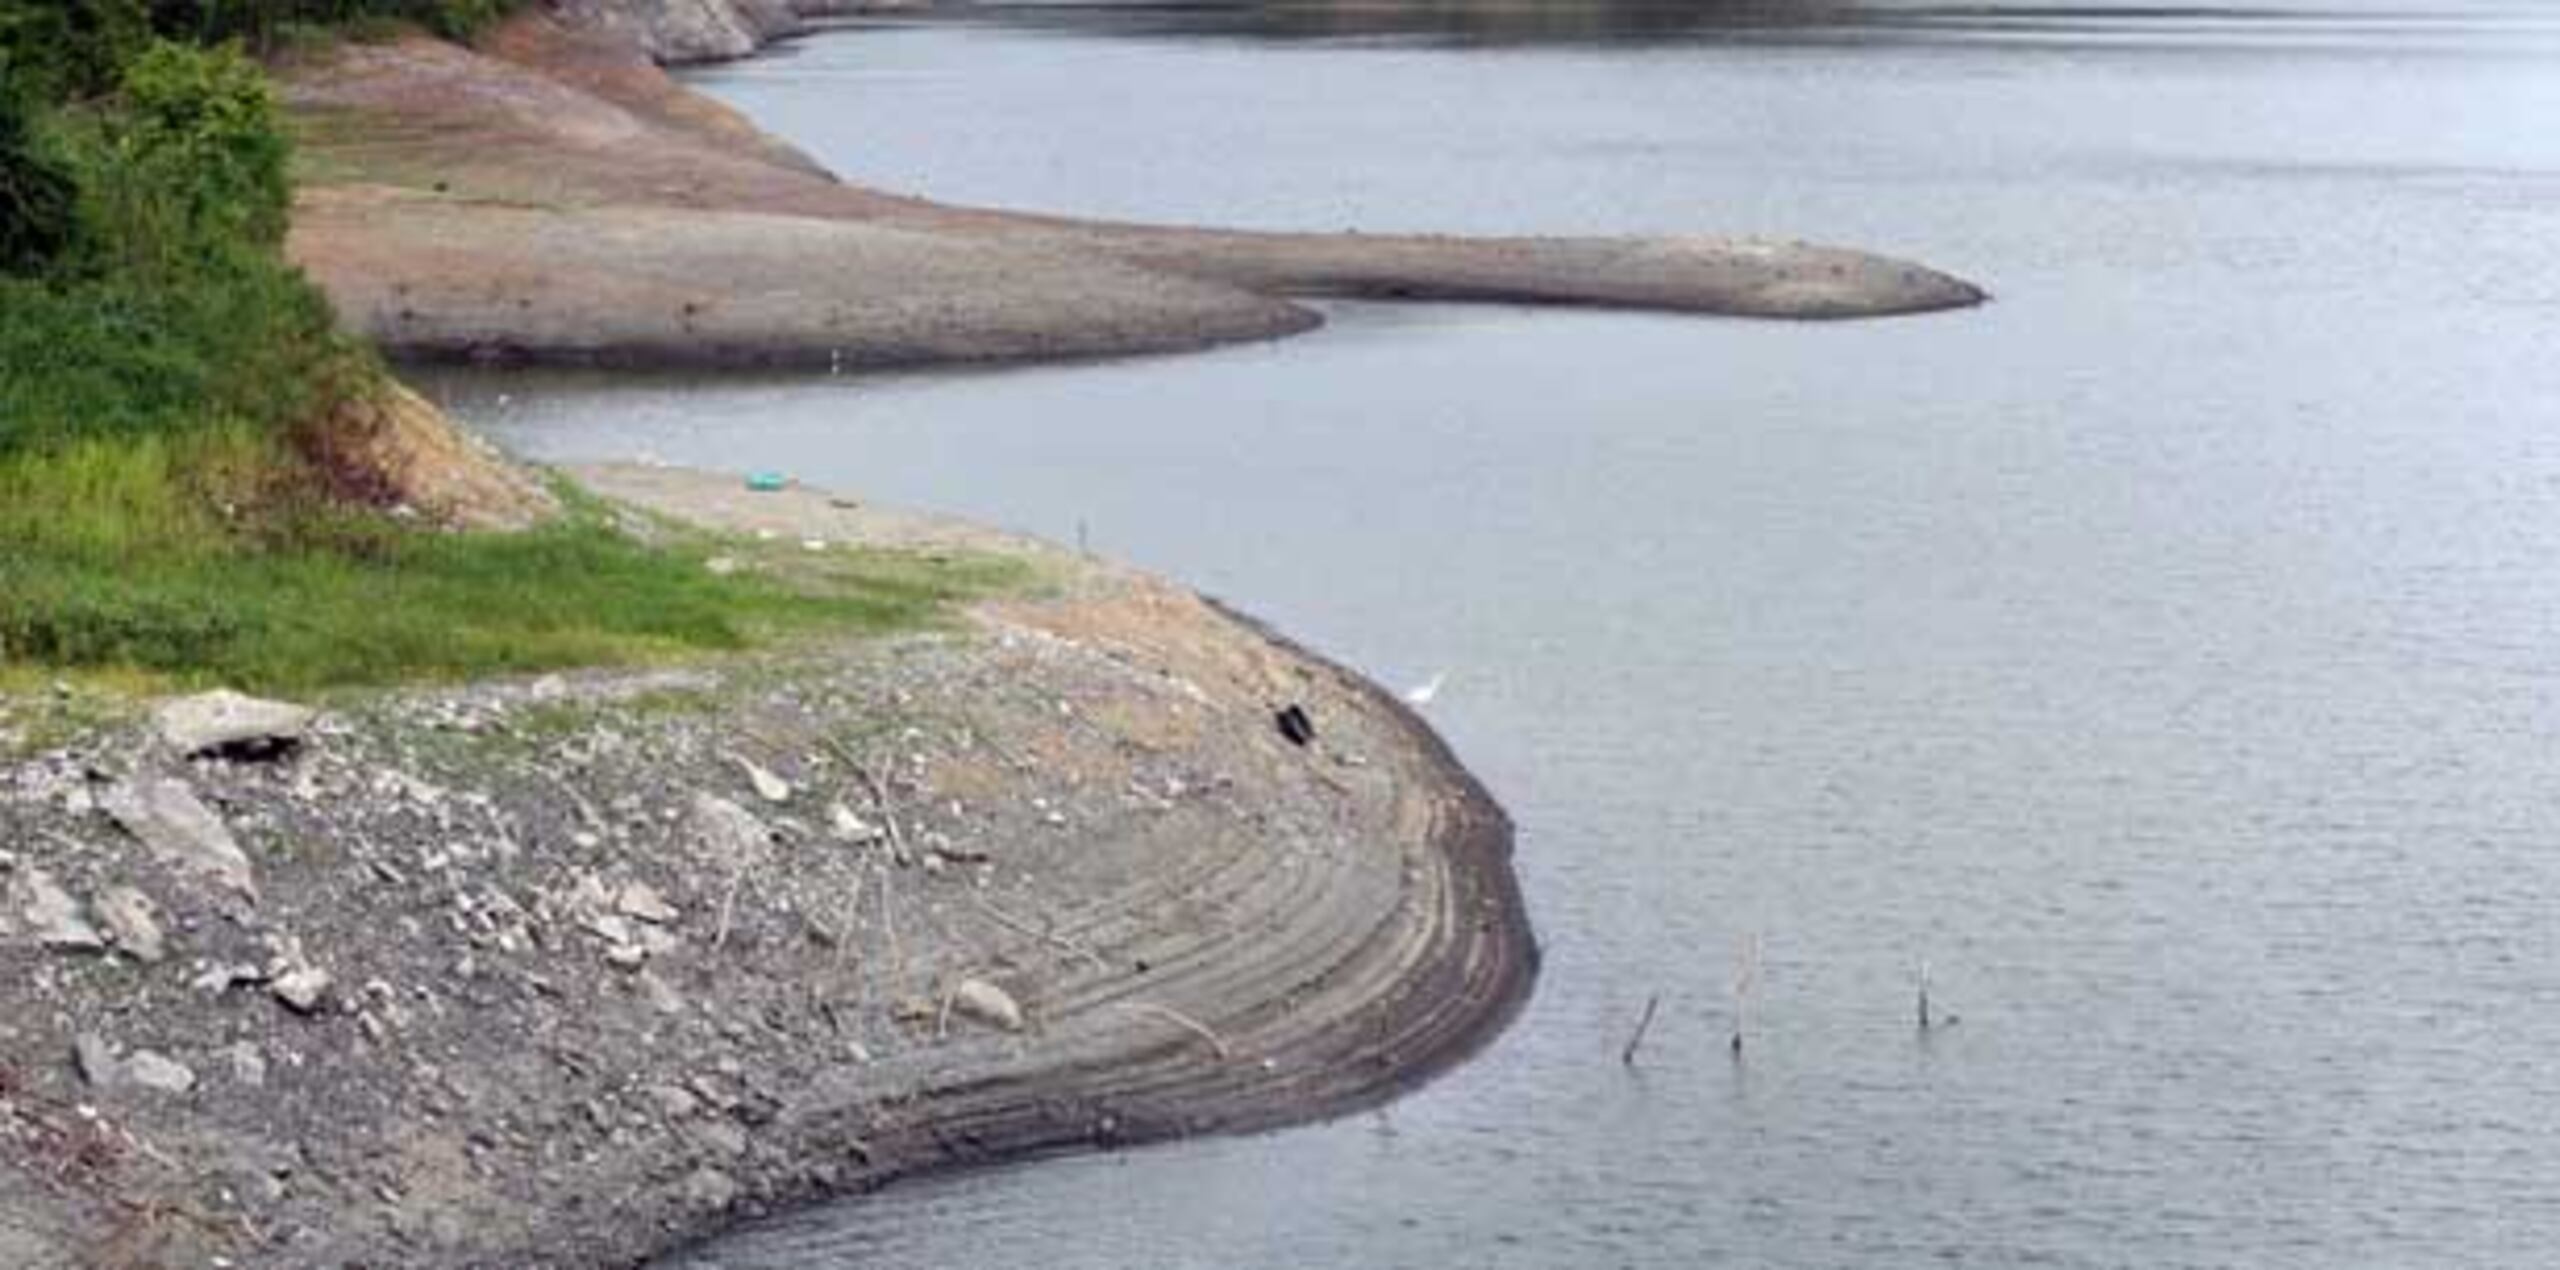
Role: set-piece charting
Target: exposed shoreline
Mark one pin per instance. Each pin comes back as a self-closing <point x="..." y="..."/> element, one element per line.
<point x="555" y="197"/>
<point x="1081" y="798"/>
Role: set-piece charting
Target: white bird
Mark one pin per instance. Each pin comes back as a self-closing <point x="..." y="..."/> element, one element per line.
<point x="1422" y="695"/>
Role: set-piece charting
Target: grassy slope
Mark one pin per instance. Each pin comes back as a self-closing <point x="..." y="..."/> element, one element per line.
<point x="162" y="519"/>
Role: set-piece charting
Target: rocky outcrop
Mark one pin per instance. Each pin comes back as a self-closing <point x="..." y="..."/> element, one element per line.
<point x="674" y="32"/>
<point x="677" y="32"/>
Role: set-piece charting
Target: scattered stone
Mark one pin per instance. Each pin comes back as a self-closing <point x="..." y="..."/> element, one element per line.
<point x="167" y="817"/>
<point x="154" y="1070"/>
<point x="612" y="928"/>
<point x="641" y="900"/>
<point x="220" y="978"/>
<point x="229" y="724"/>
<point x="626" y="956"/>
<point x="849" y="827"/>
<point x="731" y="833"/>
<point x="248" y="1066"/>
<point x="769" y="787"/>
<point x="722" y="566"/>
<point x="674" y="1101"/>
<point x="988" y="1004"/>
<point x="100" y="1066"/>
<point x="133" y="921"/>
<point x="709" y="1188"/>
<point x="95" y="1059"/>
<point x="53" y="916"/>
<point x="723" y="1138"/>
<point x="303" y="989"/>
<point x="1296" y="726"/>
<point x="661" y="997"/>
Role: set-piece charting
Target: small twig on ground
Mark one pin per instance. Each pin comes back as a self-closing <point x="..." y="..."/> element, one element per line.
<point x="1197" y="1028"/>
<point x="1020" y="926"/>
<point x="1924" y="994"/>
<point x="1627" y="1057"/>
<point x="889" y="926"/>
<point x="852" y="916"/>
<point x="879" y="790"/>
<point x="729" y="903"/>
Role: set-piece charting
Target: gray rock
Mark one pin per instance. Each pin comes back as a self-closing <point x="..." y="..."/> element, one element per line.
<point x="723" y="1138"/>
<point x="674" y="1101"/>
<point x="154" y="1070"/>
<point x="134" y="922"/>
<point x="52" y="916"/>
<point x="709" y="1188"/>
<point x="303" y="989"/>
<point x="661" y="997"/>
<point x="641" y="900"/>
<point x="728" y="833"/>
<point x="168" y="818"/>
<point x="849" y="827"/>
<point x="225" y="722"/>
<point x="95" y="1059"/>
<point x="248" y="1066"/>
<point x="988" y="1004"/>
<point x="612" y="928"/>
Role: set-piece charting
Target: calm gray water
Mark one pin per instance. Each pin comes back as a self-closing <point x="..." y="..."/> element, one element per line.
<point x="2169" y="653"/>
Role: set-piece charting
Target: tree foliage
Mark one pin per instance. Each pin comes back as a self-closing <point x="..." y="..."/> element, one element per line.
<point x="54" y="50"/>
<point x="39" y="202"/>
<point x="199" y="144"/>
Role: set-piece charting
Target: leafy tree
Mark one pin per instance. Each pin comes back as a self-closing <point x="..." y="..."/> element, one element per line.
<point x="202" y="157"/>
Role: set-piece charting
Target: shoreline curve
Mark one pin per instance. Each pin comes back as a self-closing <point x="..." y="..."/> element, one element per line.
<point x="596" y="966"/>
<point x="554" y="196"/>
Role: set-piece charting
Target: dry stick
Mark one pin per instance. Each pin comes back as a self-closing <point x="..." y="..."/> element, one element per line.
<point x="1195" y="1026"/>
<point x="729" y="900"/>
<point x="1627" y="1057"/>
<point x="1018" y="925"/>
<point x="1746" y="971"/>
<point x="852" y="914"/>
<point x="879" y="798"/>
<point x="889" y="924"/>
<point x="1924" y="994"/>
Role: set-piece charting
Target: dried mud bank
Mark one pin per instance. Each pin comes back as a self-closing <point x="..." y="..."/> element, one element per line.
<point x="554" y="196"/>
<point x="574" y="970"/>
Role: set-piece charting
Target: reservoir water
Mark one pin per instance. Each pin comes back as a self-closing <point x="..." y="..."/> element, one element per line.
<point x="2168" y="653"/>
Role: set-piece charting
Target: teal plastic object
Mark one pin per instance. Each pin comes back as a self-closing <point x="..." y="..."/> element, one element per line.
<point x="767" y="482"/>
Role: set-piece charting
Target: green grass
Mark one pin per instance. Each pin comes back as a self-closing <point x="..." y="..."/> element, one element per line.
<point x="125" y="565"/>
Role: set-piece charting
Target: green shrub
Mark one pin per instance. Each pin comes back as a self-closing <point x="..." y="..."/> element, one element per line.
<point x="200" y="151"/>
<point x="161" y="367"/>
<point x="38" y="201"/>
<point x="51" y="50"/>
